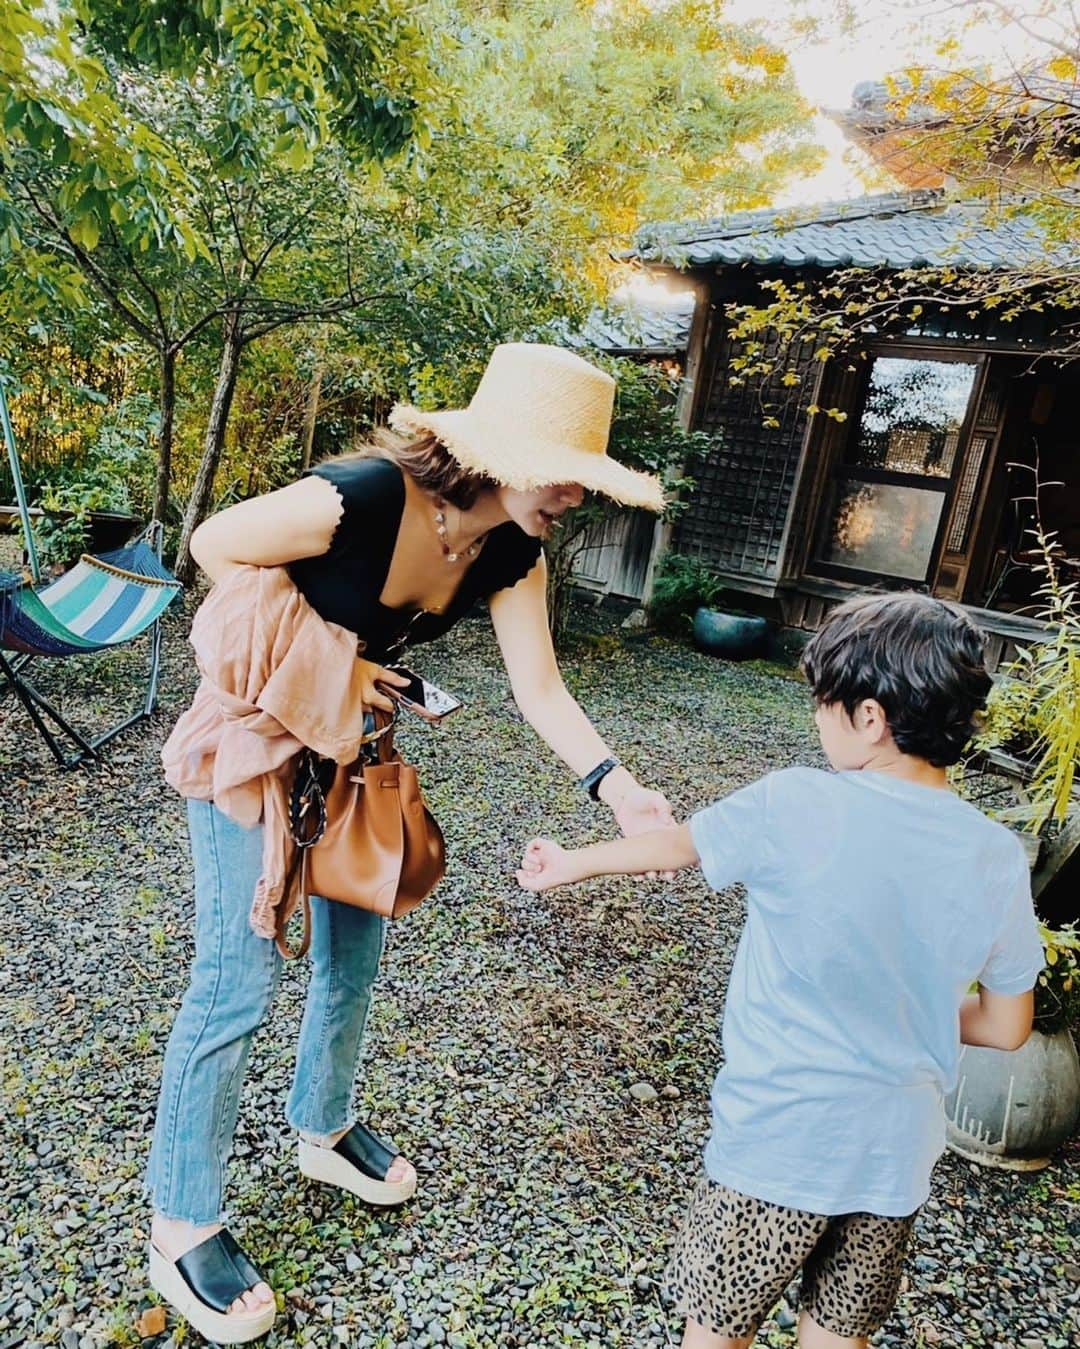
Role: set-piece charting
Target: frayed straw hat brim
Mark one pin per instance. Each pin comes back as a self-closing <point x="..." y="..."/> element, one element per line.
<point x="528" y="461"/>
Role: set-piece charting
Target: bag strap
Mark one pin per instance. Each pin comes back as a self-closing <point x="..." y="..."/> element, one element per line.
<point x="297" y="873"/>
<point x="307" y="799"/>
<point x="378" y="745"/>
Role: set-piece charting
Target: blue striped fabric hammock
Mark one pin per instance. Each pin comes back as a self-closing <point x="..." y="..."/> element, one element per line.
<point x="103" y="601"/>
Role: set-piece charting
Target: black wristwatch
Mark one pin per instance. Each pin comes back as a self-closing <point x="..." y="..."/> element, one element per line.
<point x="591" y="781"/>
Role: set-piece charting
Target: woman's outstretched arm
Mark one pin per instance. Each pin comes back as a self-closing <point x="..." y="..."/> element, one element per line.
<point x="520" y="619"/>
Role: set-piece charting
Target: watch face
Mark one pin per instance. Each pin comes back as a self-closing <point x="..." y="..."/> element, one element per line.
<point x="591" y="781"/>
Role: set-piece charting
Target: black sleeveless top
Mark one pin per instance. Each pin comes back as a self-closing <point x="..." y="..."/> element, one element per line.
<point x="344" y="584"/>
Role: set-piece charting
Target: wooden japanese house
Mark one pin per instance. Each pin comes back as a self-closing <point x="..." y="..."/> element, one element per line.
<point x="925" y="480"/>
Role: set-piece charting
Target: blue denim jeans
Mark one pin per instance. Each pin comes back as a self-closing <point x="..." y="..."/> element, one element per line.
<point x="232" y="986"/>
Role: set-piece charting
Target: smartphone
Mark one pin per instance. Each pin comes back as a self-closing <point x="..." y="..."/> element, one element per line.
<point x="426" y="700"/>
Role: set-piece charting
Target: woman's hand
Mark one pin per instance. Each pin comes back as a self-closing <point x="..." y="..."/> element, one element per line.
<point x="371" y="676"/>
<point x="545" y="865"/>
<point x="639" y="810"/>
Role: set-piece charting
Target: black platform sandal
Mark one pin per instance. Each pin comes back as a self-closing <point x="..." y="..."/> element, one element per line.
<point x="203" y="1284"/>
<point x="358" y="1162"/>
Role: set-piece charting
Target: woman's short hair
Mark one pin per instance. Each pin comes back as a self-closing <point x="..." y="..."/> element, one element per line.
<point x="429" y="463"/>
<point x="921" y="658"/>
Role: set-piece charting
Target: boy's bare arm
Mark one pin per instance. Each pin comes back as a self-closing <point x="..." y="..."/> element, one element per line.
<point x="996" y="1020"/>
<point x="546" y="864"/>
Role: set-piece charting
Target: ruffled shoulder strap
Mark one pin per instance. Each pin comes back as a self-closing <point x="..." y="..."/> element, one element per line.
<point x="373" y="497"/>
<point x="508" y="555"/>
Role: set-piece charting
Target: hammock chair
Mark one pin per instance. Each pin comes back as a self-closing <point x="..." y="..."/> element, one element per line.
<point x="104" y="601"/>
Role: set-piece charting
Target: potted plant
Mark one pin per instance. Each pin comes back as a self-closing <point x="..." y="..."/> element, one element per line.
<point x="687" y="592"/>
<point x="90" y="504"/>
<point x="81" y="516"/>
<point x="1013" y="1109"/>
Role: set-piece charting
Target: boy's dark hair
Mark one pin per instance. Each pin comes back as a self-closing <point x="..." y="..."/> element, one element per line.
<point x="920" y="658"/>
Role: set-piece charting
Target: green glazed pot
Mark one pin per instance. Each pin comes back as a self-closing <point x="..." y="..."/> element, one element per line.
<point x="733" y="636"/>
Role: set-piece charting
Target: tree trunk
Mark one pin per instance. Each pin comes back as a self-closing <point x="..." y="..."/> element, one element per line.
<point x="311" y="414"/>
<point x="167" y="411"/>
<point x="202" y="492"/>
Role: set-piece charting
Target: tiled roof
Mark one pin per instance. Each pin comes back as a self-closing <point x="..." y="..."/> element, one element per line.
<point x="874" y="103"/>
<point x="894" y="231"/>
<point x="650" y="330"/>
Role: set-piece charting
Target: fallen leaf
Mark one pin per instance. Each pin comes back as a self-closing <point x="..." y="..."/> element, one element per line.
<point x="150" y="1323"/>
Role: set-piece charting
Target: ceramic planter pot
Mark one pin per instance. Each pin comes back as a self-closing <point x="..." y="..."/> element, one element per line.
<point x="111" y="529"/>
<point x="105" y="530"/>
<point x="1014" y="1109"/>
<point x="733" y="636"/>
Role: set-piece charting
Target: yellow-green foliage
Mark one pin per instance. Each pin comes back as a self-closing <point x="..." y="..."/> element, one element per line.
<point x="1057" y="994"/>
<point x="1034" y="708"/>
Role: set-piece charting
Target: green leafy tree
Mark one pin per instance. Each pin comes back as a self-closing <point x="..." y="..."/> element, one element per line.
<point x="162" y="134"/>
<point x="534" y="138"/>
<point x="577" y="122"/>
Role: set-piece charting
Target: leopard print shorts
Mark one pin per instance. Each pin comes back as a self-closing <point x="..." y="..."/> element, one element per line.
<point x="735" y="1256"/>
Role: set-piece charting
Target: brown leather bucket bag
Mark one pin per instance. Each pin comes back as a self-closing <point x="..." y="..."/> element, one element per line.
<point x="363" y="835"/>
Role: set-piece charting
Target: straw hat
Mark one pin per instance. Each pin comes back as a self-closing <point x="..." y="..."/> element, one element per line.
<point x="540" y="416"/>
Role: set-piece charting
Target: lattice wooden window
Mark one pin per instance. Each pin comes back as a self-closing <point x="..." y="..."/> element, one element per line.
<point x="735" y="519"/>
<point x="966" y="490"/>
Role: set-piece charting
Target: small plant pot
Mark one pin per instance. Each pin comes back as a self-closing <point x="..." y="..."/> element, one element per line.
<point x="111" y="529"/>
<point x="1013" y="1109"/>
<point x="732" y="636"/>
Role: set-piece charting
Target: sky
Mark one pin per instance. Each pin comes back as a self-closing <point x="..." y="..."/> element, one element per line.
<point x="828" y="67"/>
<point x="890" y="35"/>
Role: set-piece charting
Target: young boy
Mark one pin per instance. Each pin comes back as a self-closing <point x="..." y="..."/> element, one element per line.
<point x="876" y="898"/>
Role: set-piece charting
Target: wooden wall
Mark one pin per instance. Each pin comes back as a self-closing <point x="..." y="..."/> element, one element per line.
<point x="615" y="559"/>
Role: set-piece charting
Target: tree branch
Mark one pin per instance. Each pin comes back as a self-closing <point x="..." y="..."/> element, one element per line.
<point x="321" y="313"/>
<point x="193" y="331"/>
<point x="238" y="233"/>
<point x="143" y="283"/>
<point x="139" y="323"/>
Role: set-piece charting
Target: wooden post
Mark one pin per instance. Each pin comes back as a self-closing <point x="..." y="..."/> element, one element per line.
<point x="687" y="404"/>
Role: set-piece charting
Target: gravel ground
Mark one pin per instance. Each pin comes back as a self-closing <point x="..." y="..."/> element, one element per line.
<point x="507" y="1035"/>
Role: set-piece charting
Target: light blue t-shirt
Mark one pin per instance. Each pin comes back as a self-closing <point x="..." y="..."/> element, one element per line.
<point x="873" y="903"/>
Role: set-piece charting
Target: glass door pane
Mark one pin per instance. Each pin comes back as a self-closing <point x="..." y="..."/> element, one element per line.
<point x="882" y="527"/>
<point x="883" y="510"/>
<point x="913" y="416"/>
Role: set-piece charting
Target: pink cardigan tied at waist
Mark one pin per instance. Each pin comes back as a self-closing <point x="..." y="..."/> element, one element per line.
<point x="275" y="678"/>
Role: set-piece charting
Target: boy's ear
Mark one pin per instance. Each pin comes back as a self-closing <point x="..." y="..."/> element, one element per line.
<point x="871" y="721"/>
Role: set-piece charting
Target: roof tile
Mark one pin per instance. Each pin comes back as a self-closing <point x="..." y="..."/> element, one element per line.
<point x="893" y="230"/>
